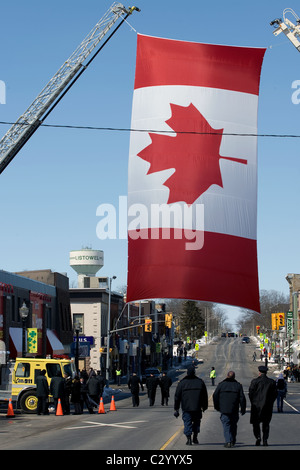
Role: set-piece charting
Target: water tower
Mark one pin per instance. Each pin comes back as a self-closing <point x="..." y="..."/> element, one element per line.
<point x="86" y="263"/>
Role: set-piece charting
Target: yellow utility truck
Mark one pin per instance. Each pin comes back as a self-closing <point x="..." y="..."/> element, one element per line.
<point x="18" y="379"/>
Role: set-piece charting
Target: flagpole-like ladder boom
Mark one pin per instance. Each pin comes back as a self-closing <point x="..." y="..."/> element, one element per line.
<point x="287" y="27"/>
<point x="21" y="131"/>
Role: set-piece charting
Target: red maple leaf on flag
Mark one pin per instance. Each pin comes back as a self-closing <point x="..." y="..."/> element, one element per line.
<point x="193" y="152"/>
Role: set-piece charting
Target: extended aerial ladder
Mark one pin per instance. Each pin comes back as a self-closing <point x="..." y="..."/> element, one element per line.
<point x="286" y="26"/>
<point x="21" y="131"/>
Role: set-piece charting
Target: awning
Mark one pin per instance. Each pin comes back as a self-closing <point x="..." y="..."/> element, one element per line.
<point x="54" y="346"/>
<point x="15" y="342"/>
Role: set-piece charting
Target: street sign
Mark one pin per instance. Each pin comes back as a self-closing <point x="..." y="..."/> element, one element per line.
<point x="289" y="324"/>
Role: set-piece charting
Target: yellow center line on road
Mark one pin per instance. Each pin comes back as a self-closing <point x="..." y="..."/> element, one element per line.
<point x="171" y="439"/>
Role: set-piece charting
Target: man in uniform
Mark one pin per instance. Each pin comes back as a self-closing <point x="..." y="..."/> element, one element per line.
<point x="262" y="394"/>
<point x="191" y="395"/>
<point x="228" y="398"/>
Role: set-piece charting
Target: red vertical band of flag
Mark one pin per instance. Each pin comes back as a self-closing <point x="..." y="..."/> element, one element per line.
<point x="204" y="88"/>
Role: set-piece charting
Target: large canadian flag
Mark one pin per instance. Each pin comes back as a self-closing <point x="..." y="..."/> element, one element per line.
<point x="192" y="176"/>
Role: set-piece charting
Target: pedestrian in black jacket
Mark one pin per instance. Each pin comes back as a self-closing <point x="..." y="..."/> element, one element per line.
<point x="68" y="389"/>
<point x="42" y="393"/>
<point x="165" y="383"/>
<point x="191" y="395"/>
<point x="93" y="386"/>
<point x="57" y="390"/>
<point x="151" y="384"/>
<point x="262" y="394"/>
<point x="134" y="384"/>
<point x="228" y="398"/>
<point x="84" y="397"/>
<point x="101" y="381"/>
<point x="76" y="395"/>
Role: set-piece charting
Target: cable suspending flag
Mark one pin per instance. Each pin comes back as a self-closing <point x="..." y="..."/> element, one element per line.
<point x="192" y="175"/>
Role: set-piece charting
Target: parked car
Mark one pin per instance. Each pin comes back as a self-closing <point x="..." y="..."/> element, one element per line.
<point x="151" y="370"/>
<point x="245" y="339"/>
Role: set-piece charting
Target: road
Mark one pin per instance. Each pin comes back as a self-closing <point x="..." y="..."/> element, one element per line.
<point x="155" y="429"/>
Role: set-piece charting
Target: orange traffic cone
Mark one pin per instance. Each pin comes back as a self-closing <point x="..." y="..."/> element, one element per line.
<point x="10" y="411"/>
<point x="112" y="404"/>
<point x="101" y="406"/>
<point x="59" y="411"/>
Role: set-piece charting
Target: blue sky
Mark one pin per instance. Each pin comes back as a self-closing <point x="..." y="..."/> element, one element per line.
<point x="51" y="190"/>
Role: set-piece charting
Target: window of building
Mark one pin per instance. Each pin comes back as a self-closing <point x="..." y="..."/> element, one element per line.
<point x="78" y="322"/>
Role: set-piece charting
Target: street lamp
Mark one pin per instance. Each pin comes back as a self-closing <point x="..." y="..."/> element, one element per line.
<point x="24" y="311"/>
<point x="77" y="329"/>
<point x="108" y="331"/>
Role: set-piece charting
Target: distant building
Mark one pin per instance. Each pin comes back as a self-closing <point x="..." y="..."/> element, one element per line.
<point x="89" y="307"/>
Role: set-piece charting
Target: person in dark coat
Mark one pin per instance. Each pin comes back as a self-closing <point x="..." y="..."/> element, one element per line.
<point x="68" y="389"/>
<point x="42" y="393"/>
<point x="57" y="390"/>
<point x="191" y="395"/>
<point x="165" y="383"/>
<point x="134" y="384"/>
<point x="101" y="381"/>
<point x="84" y="396"/>
<point x="228" y="398"/>
<point x="93" y="386"/>
<point x="76" y="395"/>
<point x="281" y="387"/>
<point x="151" y="384"/>
<point x="262" y="394"/>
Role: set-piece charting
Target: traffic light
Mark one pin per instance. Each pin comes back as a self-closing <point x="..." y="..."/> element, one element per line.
<point x="280" y="319"/>
<point x="148" y="325"/>
<point x="168" y="320"/>
<point x="257" y="329"/>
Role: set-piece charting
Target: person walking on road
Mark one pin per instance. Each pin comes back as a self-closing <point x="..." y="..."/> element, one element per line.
<point x="134" y="384"/>
<point x="101" y="381"/>
<point x="57" y="390"/>
<point x="228" y="398"/>
<point x="281" y="387"/>
<point x="42" y="393"/>
<point x="212" y="375"/>
<point x="262" y="394"/>
<point x="84" y="397"/>
<point x="151" y="384"/>
<point x="76" y="395"/>
<point x="165" y="383"/>
<point x="68" y="389"/>
<point x="191" y="395"/>
<point x="93" y="387"/>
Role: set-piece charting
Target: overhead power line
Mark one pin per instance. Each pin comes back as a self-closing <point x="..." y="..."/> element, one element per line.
<point x="149" y="131"/>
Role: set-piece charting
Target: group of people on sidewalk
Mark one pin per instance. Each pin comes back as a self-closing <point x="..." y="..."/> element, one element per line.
<point x="84" y="390"/>
<point x="229" y="399"/>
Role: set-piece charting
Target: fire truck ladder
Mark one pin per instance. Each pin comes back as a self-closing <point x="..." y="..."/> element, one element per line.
<point x="21" y="131"/>
<point x="291" y="30"/>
